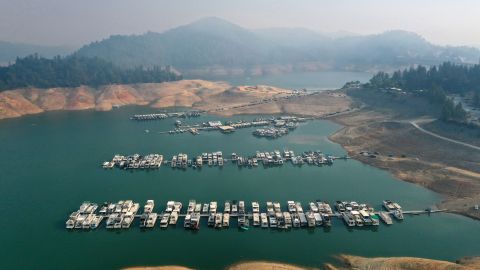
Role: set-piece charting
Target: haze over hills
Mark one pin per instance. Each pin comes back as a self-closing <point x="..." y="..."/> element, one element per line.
<point x="9" y="51"/>
<point x="215" y="45"/>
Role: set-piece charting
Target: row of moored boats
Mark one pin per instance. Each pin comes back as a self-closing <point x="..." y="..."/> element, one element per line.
<point x="121" y="215"/>
<point x="181" y="160"/>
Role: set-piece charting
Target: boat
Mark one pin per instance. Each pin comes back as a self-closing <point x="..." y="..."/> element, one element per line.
<point x="357" y="217"/>
<point x="148" y="208"/>
<point x="110" y="221"/>
<point x="398" y="214"/>
<point x="173" y="218"/>
<point x="241" y="207"/>
<point x="96" y="222"/>
<point x="195" y="221"/>
<point x="340" y="206"/>
<point x="310" y="219"/>
<point x="191" y="206"/>
<point x="127" y="221"/>
<point x="143" y="220"/>
<point x="255" y="207"/>
<point x="211" y="219"/>
<point x="205" y="208"/>
<point x="218" y="220"/>
<point x="291" y="207"/>
<point x="348" y="218"/>
<point x="375" y="219"/>
<point x="70" y="224"/>
<point x="226" y="220"/>
<point x="385" y="216"/>
<point x="243" y="223"/>
<point x="213" y="207"/>
<point x="186" y="222"/>
<point x="389" y="205"/>
<point x="234" y="207"/>
<point x="318" y="219"/>
<point x="270" y="210"/>
<point x="303" y="219"/>
<point x="367" y="220"/>
<point x="177" y="207"/>
<point x="227" y="207"/>
<point x="313" y="207"/>
<point x="324" y="207"/>
<point x="164" y="220"/>
<point x="264" y="220"/>
<point x="287" y="219"/>
<point x="327" y="221"/>
<point x="170" y="205"/>
<point x="256" y="219"/>
<point x="298" y="207"/>
<point x="276" y="207"/>
<point x="295" y="220"/>
<point x="273" y="221"/>
<point x="151" y="220"/>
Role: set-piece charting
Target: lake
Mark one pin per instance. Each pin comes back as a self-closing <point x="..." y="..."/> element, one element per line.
<point x="50" y="164"/>
<point x="320" y="80"/>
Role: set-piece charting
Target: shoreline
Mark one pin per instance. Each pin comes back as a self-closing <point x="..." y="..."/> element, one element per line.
<point x="218" y="98"/>
<point x="346" y="262"/>
<point x="369" y="131"/>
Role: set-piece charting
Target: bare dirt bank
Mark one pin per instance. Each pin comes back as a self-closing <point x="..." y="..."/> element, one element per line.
<point x="402" y="263"/>
<point x="215" y="97"/>
<point x="347" y="262"/>
<point x="264" y="265"/>
<point x="186" y="93"/>
<point x="411" y="155"/>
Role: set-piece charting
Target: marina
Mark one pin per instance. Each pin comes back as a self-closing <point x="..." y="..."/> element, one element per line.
<point x="217" y="159"/>
<point x="160" y="116"/>
<point x="121" y="215"/>
<point x="68" y="184"/>
<point x="272" y="127"/>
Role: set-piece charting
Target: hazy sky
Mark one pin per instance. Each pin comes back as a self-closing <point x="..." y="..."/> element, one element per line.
<point x="60" y="22"/>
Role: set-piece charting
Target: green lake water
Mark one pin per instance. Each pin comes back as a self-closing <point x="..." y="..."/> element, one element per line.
<point x="50" y="164"/>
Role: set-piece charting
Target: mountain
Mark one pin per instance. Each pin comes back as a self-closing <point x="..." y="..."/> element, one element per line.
<point x="9" y="51"/>
<point x="216" y="45"/>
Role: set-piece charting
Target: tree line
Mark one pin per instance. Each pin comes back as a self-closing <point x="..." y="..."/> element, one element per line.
<point x="73" y="71"/>
<point x="435" y="84"/>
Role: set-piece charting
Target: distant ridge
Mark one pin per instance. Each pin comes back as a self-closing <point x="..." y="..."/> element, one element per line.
<point x="215" y="45"/>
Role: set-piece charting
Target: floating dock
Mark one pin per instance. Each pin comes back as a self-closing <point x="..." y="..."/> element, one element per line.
<point x="160" y="116"/>
<point x="273" y="127"/>
<point x="217" y="159"/>
<point x="122" y="214"/>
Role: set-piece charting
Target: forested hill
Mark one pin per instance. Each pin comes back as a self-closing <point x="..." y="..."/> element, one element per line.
<point x="449" y="77"/>
<point x="72" y="71"/>
<point x="434" y="84"/>
<point x="215" y="42"/>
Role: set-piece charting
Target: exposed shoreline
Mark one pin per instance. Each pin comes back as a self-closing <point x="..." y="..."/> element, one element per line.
<point x="218" y="98"/>
<point x="413" y="156"/>
<point x="348" y="262"/>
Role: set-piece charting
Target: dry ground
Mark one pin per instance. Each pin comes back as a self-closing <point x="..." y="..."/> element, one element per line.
<point x="413" y="156"/>
<point x="402" y="263"/>
<point x="347" y="262"/>
<point x="214" y="97"/>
